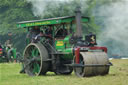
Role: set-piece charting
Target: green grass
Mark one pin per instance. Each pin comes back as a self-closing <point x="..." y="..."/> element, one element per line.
<point x="118" y="75"/>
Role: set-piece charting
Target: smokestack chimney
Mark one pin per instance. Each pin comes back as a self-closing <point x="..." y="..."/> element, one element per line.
<point x="78" y="32"/>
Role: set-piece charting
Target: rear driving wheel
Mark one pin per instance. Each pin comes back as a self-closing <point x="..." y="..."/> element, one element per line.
<point x="35" y="56"/>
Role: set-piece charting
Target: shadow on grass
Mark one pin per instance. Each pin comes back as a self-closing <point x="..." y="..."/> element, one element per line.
<point x="52" y="74"/>
<point x="112" y="74"/>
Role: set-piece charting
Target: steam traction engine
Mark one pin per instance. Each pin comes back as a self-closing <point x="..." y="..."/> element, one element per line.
<point x="57" y="45"/>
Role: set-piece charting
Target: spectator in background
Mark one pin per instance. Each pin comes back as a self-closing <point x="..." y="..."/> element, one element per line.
<point x="0" y="45"/>
<point x="8" y="44"/>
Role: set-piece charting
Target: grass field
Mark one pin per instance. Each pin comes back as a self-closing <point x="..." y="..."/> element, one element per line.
<point x="118" y="75"/>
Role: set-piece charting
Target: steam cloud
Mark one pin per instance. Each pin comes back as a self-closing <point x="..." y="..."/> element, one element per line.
<point x="40" y="6"/>
<point x="114" y="33"/>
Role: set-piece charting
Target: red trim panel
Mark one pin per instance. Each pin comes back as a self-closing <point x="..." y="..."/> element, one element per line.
<point x="77" y="55"/>
<point x="77" y="52"/>
<point x="98" y="48"/>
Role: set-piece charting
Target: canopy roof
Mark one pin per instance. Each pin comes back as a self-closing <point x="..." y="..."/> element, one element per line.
<point x="50" y="21"/>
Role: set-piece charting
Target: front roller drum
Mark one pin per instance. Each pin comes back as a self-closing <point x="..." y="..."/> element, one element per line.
<point x="93" y="59"/>
<point x="35" y="55"/>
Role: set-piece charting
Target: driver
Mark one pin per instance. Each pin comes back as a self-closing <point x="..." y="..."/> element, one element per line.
<point x="48" y="32"/>
<point x="32" y="34"/>
<point x="37" y="38"/>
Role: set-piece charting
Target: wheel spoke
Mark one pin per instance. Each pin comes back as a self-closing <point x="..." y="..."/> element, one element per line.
<point x="36" y="68"/>
<point x="34" y="60"/>
<point x="33" y="52"/>
<point x="37" y="53"/>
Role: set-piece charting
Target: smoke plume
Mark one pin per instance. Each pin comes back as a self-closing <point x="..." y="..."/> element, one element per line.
<point x="114" y="33"/>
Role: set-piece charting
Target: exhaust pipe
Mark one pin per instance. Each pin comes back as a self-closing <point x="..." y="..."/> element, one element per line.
<point x="78" y="32"/>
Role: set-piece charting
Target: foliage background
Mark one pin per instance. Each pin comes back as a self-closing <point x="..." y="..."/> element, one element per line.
<point x="13" y="11"/>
